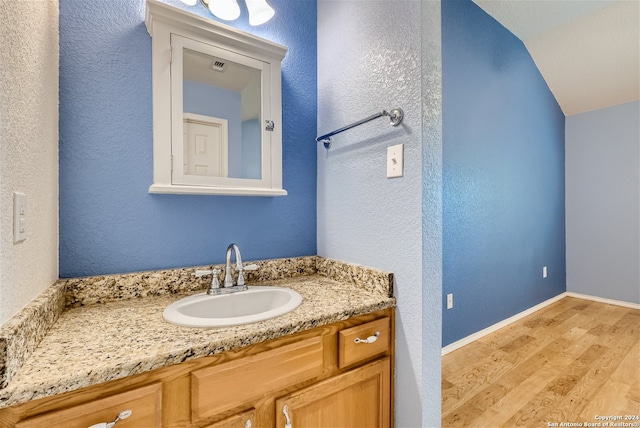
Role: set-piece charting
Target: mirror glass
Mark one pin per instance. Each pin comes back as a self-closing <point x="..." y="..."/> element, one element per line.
<point x="221" y="124"/>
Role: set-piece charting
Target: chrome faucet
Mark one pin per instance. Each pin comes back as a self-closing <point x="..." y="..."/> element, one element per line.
<point x="228" y="286"/>
<point x="228" y="277"/>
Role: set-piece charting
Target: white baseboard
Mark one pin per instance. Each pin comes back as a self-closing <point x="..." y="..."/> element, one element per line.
<point x="477" y="335"/>
<point x="603" y="300"/>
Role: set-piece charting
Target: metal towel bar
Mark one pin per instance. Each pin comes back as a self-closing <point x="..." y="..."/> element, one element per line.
<point x="395" y="118"/>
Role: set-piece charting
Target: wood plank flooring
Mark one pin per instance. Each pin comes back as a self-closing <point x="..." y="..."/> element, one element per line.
<point x="566" y="363"/>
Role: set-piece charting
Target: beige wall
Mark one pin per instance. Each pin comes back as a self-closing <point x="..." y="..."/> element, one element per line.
<point x="29" y="52"/>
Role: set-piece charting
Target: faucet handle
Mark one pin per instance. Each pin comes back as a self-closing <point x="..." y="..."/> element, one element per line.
<point x="215" y="282"/>
<point x="200" y="273"/>
<point x="241" y="270"/>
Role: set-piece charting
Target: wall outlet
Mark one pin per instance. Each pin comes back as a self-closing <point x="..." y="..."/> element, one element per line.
<point x="544" y="271"/>
<point x="450" y="301"/>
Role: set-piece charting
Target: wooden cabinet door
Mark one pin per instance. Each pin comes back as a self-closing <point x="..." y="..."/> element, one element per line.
<point x="242" y="420"/>
<point x="359" y="398"/>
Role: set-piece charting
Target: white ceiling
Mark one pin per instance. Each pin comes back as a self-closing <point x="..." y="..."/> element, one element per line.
<point x="588" y="51"/>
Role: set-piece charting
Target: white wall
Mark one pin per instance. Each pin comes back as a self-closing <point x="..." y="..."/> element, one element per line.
<point x="369" y="59"/>
<point x="603" y="202"/>
<point x="28" y="149"/>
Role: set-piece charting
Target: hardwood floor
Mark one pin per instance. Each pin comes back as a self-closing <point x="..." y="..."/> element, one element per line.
<point x="567" y="363"/>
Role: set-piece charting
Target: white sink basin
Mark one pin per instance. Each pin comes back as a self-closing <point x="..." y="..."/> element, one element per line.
<point x="258" y="303"/>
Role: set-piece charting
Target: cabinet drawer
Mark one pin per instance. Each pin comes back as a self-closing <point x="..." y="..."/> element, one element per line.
<point x="145" y="403"/>
<point x="352" y="346"/>
<point x="236" y="383"/>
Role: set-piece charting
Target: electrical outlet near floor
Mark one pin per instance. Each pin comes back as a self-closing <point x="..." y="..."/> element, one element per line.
<point x="450" y="301"/>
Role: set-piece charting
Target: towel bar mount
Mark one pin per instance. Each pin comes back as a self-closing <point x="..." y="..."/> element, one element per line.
<point x="395" y="118"/>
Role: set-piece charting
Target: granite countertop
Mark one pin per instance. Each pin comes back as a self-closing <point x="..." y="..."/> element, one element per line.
<point x="97" y="341"/>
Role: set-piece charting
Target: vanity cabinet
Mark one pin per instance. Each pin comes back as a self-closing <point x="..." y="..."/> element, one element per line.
<point x="339" y="375"/>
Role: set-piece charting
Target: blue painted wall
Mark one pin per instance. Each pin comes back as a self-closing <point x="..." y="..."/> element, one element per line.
<point x="108" y="221"/>
<point x="503" y="175"/>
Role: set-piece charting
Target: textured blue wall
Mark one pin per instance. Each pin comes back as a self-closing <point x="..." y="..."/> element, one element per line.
<point x="108" y="221"/>
<point x="503" y="175"/>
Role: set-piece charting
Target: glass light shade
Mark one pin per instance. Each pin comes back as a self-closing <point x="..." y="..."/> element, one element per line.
<point x="259" y="11"/>
<point x="225" y="9"/>
<point x="189" y="2"/>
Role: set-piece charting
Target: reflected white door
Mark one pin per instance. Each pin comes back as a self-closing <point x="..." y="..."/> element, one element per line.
<point x="205" y="149"/>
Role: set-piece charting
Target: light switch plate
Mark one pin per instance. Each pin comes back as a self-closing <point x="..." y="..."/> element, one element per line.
<point x="19" y="217"/>
<point x="395" y="161"/>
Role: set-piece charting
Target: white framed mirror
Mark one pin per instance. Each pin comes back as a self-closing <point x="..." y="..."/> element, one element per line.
<point x="217" y="107"/>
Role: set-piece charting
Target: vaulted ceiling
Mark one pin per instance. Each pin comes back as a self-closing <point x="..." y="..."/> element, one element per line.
<point x="588" y="51"/>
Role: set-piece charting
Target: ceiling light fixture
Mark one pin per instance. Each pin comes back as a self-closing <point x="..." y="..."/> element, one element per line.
<point x="228" y="10"/>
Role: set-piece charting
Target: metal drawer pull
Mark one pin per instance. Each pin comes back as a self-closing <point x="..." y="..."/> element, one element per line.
<point x="369" y="339"/>
<point x="285" y="411"/>
<point x="247" y="424"/>
<point x="122" y="415"/>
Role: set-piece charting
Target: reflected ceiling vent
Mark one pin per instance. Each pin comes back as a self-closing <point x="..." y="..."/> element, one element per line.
<point x="218" y="65"/>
